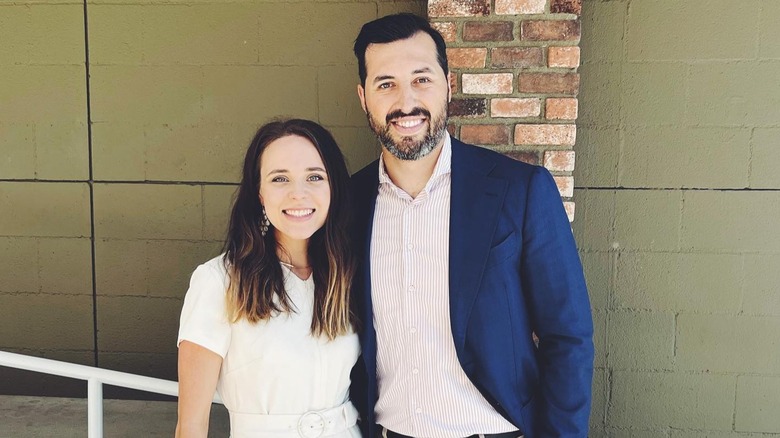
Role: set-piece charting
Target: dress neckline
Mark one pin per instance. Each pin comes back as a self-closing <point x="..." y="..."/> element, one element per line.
<point x="305" y="280"/>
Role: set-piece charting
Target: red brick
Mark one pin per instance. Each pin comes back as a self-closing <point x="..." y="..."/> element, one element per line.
<point x="453" y="78"/>
<point x="453" y="130"/>
<point x="447" y="29"/>
<point x="530" y="157"/>
<point x="485" y="134"/>
<point x="565" y="185"/>
<point x="458" y="8"/>
<point x="516" y="57"/>
<point x="531" y="134"/>
<point x="515" y="7"/>
<point x="550" y="30"/>
<point x="566" y="57"/>
<point x="467" y="57"/>
<point x="559" y="161"/>
<point x="559" y="83"/>
<point x="569" y="207"/>
<point x="481" y="31"/>
<point x="467" y="107"/>
<point x="487" y="83"/>
<point x="560" y="108"/>
<point x="566" y="7"/>
<point x="515" y="107"/>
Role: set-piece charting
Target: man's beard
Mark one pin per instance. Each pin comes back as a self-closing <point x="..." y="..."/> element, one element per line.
<point x="407" y="148"/>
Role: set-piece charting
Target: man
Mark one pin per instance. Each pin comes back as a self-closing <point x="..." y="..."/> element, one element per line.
<point x="465" y="255"/>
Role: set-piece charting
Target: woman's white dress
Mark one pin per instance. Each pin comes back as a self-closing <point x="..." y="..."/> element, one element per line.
<point x="274" y="369"/>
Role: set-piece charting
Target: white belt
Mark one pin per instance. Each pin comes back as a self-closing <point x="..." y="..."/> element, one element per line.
<point x="312" y="424"/>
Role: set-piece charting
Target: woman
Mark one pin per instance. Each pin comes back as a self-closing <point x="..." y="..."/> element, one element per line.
<point x="268" y="324"/>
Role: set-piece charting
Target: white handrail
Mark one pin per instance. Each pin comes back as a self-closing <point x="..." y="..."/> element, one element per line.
<point x="95" y="378"/>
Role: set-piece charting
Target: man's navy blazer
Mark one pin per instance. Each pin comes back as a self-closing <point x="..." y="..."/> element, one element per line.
<point x="514" y="270"/>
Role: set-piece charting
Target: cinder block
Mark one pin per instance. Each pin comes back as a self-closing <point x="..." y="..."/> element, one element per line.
<point x="159" y="365"/>
<point x="603" y="40"/>
<point x="46" y="322"/>
<point x="594" y="228"/>
<point x="18" y="257"/>
<point x="732" y="87"/>
<point x="725" y="343"/>
<point x="732" y="221"/>
<point x="121" y="267"/>
<point x="62" y="150"/>
<point x="597" y="156"/>
<point x="673" y="282"/>
<point x="217" y="206"/>
<point x="678" y="157"/>
<point x="23" y="382"/>
<point x="147" y="94"/>
<point x="599" y="97"/>
<point x="283" y="44"/>
<point x="45" y="209"/>
<point x="119" y="151"/>
<point x="393" y="7"/>
<point x="766" y="158"/>
<point x="762" y="285"/>
<point x="18" y="146"/>
<point x="202" y="152"/>
<point x="646" y="400"/>
<point x="359" y="145"/>
<point x="716" y="36"/>
<point x="65" y="266"/>
<point x="769" y="32"/>
<point x="600" y="318"/>
<point x="43" y="94"/>
<point x="234" y="94"/>
<point x="138" y="324"/>
<point x="641" y="340"/>
<point x="148" y="211"/>
<point x="338" y="102"/>
<point x="207" y="33"/>
<point x="758" y="398"/>
<point x="171" y="263"/>
<point x="600" y="397"/>
<point x="648" y="219"/>
<point x="598" y="267"/>
<point x="42" y="34"/>
<point x="653" y="93"/>
<point x="714" y="434"/>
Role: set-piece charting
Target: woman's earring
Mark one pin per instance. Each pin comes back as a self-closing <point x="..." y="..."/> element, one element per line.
<point x="264" y="223"/>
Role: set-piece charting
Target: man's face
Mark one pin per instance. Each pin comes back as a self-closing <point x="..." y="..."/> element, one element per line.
<point x="405" y="96"/>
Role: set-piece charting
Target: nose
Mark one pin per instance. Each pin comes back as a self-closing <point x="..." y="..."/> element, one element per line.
<point x="407" y="99"/>
<point x="298" y="190"/>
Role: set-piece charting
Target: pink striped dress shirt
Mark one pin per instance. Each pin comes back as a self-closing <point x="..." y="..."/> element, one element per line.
<point x="423" y="391"/>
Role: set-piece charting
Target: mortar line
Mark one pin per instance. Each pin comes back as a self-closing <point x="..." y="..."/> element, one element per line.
<point x="91" y="184"/>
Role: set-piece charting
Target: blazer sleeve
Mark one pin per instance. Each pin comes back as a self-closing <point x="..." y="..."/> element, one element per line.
<point x="557" y="297"/>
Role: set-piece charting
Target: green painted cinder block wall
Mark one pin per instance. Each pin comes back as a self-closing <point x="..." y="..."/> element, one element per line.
<point x="678" y="200"/>
<point x="127" y="122"/>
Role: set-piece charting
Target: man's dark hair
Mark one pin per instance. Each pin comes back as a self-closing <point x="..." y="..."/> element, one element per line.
<point x="394" y="28"/>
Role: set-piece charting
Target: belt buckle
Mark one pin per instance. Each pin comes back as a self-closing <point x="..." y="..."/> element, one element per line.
<point x="311" y="425"/>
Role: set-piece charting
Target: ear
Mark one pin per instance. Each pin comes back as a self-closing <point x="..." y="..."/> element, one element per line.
<point x="362" y="96"/>
<point x="450" y="80"/>
<point x="260" y="197"/>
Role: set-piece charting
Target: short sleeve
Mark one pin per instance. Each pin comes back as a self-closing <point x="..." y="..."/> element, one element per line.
<point x="204" y="315"/>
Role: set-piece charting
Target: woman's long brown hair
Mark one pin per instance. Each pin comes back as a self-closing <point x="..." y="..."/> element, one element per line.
<point x="256" y="291"/>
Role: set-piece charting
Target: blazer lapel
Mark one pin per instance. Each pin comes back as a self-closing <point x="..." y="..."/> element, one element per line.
<point x="475" y="204"/>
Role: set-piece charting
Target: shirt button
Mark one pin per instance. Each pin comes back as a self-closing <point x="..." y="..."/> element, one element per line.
<point x="415" y="371"/>
<point x="418" y="410"/>
<point x="410" y="247"/>
<point x="413" y="330"/>
<point x="411" y="288"/>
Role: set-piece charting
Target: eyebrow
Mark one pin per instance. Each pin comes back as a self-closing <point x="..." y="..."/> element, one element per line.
<point x="308" y="169"/>
<point x="416" y="72"/>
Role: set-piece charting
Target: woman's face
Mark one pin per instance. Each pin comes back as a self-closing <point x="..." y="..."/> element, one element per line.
<point x="294" y="188"/>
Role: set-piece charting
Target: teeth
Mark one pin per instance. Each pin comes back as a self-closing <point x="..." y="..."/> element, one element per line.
<point x="409" y="123"/>
<point x="299" y="213"/>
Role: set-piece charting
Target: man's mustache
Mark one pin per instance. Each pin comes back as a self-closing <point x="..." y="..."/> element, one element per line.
<point x="397" y="114"/>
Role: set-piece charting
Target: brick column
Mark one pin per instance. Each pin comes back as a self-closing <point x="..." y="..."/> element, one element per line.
<point x="515" y="80"/>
